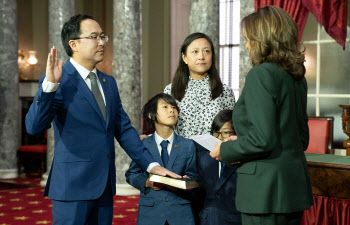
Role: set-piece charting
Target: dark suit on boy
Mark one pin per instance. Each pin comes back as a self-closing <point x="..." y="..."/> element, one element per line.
<point x="218" y="194"/>
<point x="157" y="207"/>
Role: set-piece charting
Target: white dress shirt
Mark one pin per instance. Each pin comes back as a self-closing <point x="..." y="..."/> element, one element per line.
<point x="160" y="139"/>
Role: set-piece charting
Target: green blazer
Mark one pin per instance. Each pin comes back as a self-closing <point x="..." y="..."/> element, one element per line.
<point x="272" y="128"/>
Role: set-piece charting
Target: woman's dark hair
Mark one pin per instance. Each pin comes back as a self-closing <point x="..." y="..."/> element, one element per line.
<point x="151" y="107"/>
<point x="273" y="37"/>
<point x="220" y="119"/>
<point x="71" y="30"/>
<point x="180" y="80"/>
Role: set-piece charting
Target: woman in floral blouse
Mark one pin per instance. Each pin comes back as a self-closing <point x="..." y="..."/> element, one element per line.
<point x="200" y="95"/>
<point x="197" y="87"/>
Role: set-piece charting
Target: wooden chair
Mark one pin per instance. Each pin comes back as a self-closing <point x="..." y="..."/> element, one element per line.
<point x="34" y="154"/>
<point x="321" y="134"/>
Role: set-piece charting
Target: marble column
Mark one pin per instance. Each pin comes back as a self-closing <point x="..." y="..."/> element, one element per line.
<point x="247" y="7"/>
<point x="9" y="89"/>
<point x="204" y="17"/>
<point x="127" y="72"/>
<point x="60" y="11"/>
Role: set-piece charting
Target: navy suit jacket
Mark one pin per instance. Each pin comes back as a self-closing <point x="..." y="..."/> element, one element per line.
<point x="217" y="198"/>
<point x="84" y="142"/>
<point x="155" y="207"/>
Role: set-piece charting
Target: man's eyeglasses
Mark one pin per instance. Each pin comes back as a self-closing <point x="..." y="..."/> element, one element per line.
<point x="94" y="38"/>
<point x="224" y="134"/>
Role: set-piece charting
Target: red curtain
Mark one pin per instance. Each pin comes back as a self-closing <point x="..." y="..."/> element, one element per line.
<point x="327" y="211"/>
<point x="295" y="9"/>
<point x="332" y="14"/>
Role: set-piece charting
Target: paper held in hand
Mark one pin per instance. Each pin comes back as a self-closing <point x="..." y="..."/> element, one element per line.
<point x="182" y="183"/>
<point x="206" y="140"/>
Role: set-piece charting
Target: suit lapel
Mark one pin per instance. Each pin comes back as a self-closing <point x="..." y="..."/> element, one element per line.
<point x="152" y="147"/>
<point x="175" y="149"/>
<point x="80" y="84"/>
<point x="229" y="171"/>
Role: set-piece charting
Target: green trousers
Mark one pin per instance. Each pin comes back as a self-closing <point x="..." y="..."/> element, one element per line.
<point x="272" y="218"/>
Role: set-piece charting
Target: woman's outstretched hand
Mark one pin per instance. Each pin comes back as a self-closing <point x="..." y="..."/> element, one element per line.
<point x="231" y="138"/>
<point x="215" y="154"/>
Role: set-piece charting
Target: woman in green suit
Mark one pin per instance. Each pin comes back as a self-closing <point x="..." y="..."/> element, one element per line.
<point x="271" y="122"/>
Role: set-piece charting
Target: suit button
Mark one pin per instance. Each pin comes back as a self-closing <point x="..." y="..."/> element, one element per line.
<point x="108" y="155"/>
<point x="217" y="195"/>
<point x="38" y="100"/>
<point x="166" y="199"/>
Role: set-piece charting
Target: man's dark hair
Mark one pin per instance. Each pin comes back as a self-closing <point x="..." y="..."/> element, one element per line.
<point x="151" y="107"/>
<point x="220" y="119"/>
<point x="71" y="30"/>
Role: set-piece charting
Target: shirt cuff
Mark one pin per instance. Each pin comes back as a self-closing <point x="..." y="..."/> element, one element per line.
<point x="151" y="165"/>
<point x="48" y="86"/>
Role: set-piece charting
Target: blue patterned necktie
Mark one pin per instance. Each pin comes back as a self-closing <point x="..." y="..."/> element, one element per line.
<point x="222" y="171"/>
<point x="97" y="94"/>
<point x="164" y="154"/>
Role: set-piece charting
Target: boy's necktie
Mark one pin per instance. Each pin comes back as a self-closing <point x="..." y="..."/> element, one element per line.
<point x="222" y="171"/>
<point x="97" y="94"/>
<point x="164" y="154"/>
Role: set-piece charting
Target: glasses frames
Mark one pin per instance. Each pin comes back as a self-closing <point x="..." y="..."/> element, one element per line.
<point x="224" y="134"/>
<point x="94" y="38"/>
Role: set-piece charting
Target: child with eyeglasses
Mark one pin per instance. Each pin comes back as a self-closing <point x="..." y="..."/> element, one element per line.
<point x="217" y="182"/>
<point x="222" y="127"/>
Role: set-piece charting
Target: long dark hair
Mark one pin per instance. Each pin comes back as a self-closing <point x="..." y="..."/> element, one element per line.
<point x="180" y="80"/>
<point x="273" y="37"/>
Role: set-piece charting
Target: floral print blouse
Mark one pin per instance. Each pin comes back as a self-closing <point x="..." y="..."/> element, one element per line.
<point x="197" y="110"/>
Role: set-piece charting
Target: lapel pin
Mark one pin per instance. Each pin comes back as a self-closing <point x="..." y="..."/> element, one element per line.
<point x="104" y="80"/>
<point x="176" y="146"/>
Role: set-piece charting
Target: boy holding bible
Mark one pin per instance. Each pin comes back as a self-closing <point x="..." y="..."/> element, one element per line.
<point x="161" y="204"/>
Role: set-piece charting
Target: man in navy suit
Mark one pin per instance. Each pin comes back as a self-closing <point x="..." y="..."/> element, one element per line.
<point x="85" y="108"/>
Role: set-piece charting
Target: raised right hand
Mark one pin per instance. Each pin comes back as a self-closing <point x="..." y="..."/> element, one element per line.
<point x="53" y="67"/>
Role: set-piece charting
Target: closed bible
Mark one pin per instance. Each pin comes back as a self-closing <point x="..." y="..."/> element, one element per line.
<point x="182" y="183"/>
